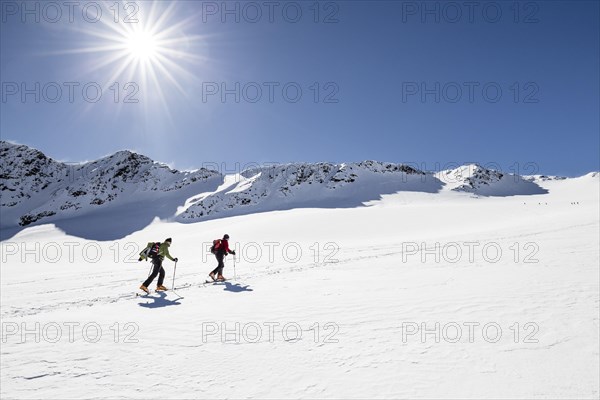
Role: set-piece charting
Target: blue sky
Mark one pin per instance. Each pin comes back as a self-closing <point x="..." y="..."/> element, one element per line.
<point x="507" y="84"/>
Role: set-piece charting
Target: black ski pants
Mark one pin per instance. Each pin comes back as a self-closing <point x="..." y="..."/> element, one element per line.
<point x="220" y="265"/>
<point x="157" y="269"/>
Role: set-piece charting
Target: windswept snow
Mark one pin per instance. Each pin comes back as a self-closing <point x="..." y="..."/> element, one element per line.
<point x="127" y="188"/>
<point x="133" y="190"/>
<point x="321" y="185"/>
<point x="473" y="178"/>
<point x="416" y="286"/>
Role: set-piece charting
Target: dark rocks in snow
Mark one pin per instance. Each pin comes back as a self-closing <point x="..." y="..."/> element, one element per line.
<point x="35" y="187"/>
<point x="29" y="219"/>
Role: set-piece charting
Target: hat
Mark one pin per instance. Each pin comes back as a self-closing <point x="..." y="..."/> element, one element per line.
<point x="226" y="236"/>
<point x="169" y="240"/>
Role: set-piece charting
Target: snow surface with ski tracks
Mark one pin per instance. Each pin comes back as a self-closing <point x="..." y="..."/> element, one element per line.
<point x="325" y="303"/>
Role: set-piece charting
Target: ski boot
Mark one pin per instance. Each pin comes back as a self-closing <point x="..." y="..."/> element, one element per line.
<point x="212" y="276"/>
<point x="161" y="288"/>
<point x="145" y="289"/>
<point x="220" y="278"/>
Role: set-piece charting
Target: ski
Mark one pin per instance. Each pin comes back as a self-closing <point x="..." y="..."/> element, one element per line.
<point x="184" y="286"/>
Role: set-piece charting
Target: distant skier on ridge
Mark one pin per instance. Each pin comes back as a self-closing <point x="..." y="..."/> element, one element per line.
<point x="220" y="249"/>
<point x="157" y="253"/>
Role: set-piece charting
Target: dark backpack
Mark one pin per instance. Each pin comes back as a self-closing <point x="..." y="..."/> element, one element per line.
<point x="152" y="251"/>
<point x="215" y="246"/>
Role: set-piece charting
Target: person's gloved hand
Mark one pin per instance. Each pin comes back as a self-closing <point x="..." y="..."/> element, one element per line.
<point x="176" y="259"/>
<point x="140" y="259"/>
<point x="232" y="252"/>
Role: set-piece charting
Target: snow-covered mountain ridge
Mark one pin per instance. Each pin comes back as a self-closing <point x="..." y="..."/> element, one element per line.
<point x="37" y="189"/>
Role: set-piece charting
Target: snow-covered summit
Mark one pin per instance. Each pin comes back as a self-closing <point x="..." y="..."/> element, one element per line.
<point x="24" y="172"/>
<point x="473" y="178"/>
<point x="296" y="185"/>
<point x="35" y="187"/>
<point x="132" y="190"/>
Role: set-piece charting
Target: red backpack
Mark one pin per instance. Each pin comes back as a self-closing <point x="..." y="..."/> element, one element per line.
<point x="215" y="246"/>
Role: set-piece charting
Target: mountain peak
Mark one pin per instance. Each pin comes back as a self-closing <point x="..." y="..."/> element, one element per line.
<point x="38" y="189"/>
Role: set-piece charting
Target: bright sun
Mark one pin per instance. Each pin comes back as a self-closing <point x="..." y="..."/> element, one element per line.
<point x="142" y="45"/>
<point x="152" y="51"/>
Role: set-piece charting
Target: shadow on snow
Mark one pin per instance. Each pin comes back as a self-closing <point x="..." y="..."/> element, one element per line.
<point x="120" y="220"/>
<point x="235" y="287"/>
<point x="160" y="301"/>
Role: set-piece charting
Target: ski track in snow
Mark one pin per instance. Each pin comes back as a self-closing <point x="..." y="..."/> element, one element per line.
<point x="368" y="295"/>
<point x="374" y="253"/>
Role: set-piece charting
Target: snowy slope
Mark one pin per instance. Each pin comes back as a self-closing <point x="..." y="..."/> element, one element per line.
<point x="472" y="178"/>
<point x="36" y="190"/>
<point x="310" y="185"/>
<point x="352" y="279"/>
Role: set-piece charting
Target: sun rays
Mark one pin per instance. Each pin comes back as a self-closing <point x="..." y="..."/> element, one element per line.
<point x="149" y="46"/>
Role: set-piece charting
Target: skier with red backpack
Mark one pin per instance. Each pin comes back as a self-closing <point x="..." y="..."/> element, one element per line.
<point x="220" y="249"/>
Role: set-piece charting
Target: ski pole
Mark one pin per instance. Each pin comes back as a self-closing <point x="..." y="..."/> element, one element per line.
<point x="174" y="270"/>
<point x="234" y="275"/>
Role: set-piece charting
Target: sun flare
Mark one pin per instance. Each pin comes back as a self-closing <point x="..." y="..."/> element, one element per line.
<point x="142" y="45"/>
<point x="155" y="54"/>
